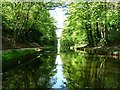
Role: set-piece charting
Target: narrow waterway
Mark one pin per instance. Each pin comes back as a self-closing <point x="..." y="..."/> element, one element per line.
<point x="59" y="76"/>
<point x="68" y="70"/>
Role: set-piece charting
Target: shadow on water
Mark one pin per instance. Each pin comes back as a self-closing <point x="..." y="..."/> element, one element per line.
<point x="89" y="71"/>
<point x="33" y="74"/>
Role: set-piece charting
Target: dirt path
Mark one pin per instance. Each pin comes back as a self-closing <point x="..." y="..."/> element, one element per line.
<point x="19" y="49"/>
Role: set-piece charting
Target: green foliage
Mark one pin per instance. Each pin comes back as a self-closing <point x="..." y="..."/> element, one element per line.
<point x="28" y="22"/>
<point x="90" y="23"/>
<point x="88" y="71"/>
<point x="15" y="54"/>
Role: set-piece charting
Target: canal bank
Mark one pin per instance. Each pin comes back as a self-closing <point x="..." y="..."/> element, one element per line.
<point x="13" y="58"/>
<point x="110" y="49"/>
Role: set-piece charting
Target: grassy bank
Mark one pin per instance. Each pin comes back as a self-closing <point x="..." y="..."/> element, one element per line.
<point x="8" y="55"/>
<point x="13" y="58"/>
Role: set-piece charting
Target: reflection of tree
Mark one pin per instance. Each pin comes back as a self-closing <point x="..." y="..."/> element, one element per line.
<point x="89" y="71"/>
<point x="33" y="74"/>
<point x="94" y="72"/>
<point x="118" y="77"/>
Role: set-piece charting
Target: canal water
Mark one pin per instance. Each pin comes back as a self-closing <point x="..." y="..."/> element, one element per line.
<point x="64" y="70"/>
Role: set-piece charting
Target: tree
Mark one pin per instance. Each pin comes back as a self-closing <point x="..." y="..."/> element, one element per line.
<point x="28" y="22"/>
<point x="91" y="23"/>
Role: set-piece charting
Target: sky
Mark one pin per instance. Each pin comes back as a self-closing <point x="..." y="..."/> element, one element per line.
<point x="59" y="16"/>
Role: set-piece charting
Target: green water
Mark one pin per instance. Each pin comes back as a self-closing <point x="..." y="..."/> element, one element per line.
<point x="68" y="70"/>
<point x="90" y="71"/>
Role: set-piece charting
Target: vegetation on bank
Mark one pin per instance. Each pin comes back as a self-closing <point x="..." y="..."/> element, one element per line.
<point x="13" y="58"/>
<point x="27" y="24"/>
<point x="91" y="23"/>
<point x="12" y="54"/>
<point x="109" y="49"/>
<point x="26" y="28"/>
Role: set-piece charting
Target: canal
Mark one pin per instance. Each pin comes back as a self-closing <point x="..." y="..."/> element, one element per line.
<point x="65" y="70"/>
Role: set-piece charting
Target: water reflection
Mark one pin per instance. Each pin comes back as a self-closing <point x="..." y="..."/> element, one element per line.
<point x="35" y="73"/>
<point x="68" y="70"/>
<point x="59" y="77"/>
<point x="89" y="71"/>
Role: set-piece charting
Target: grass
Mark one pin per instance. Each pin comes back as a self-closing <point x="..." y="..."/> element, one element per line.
<point x="14" y="54"/>
<point x="11" y="58"/>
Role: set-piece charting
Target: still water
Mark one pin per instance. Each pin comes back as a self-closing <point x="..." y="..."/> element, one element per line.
<point x="68" y="70"/>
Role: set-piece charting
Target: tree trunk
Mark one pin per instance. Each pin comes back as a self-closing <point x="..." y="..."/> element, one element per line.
<point x="105" y="27"/>
<point x="118" y="16"/>
<point x="89" y="35"/>
<point x="15" y="25"/>
<point x="98" y="34"/>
